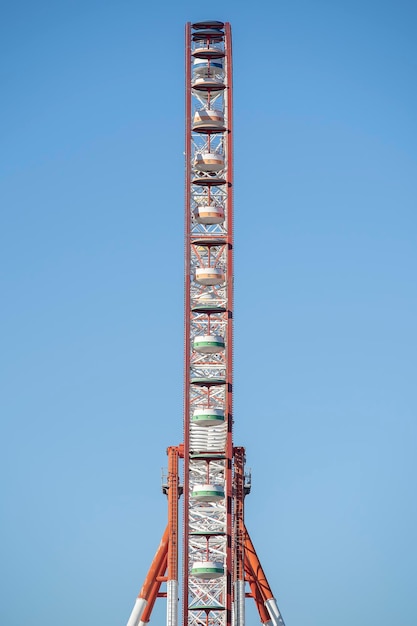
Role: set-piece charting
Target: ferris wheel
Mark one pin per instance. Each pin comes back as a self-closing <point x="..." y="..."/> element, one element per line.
<point x="220" y="564"/>
<point x="208" y="391"/>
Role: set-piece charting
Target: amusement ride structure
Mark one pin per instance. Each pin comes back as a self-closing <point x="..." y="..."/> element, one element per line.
<point x="220" y="565"/>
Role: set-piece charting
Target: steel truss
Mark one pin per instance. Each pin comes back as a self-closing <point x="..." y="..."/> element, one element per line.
<point x="219" y="559"/>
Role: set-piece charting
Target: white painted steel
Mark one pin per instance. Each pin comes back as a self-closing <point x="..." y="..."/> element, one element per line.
<point x="210" y="439"/>
<point x="239" y="603"/>
<point x="172" y="603"/>
<point x="274" y="613"/>
<point x="137" y="612"/>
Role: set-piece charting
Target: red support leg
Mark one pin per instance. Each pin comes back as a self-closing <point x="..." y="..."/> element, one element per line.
<point x="261" y="582"/>
<point x="150" y="581"/>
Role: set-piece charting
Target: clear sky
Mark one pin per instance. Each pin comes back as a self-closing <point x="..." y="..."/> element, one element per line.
<point x="91" y="189"/>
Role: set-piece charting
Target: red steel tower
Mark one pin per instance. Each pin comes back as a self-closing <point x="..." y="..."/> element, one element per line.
<point x="220" y="564"/>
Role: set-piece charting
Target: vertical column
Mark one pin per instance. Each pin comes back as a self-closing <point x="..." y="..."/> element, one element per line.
<point x="239" y="537"/>
<point x="229" y="390"/>
<point x="172" y="561"/>
<point x="187" y="308"/>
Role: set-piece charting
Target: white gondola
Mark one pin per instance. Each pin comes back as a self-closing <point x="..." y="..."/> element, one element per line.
<point x="207" y="67"/>
<point x="208" y="344"/>
<point x="207" y="493"/>
<point x="207" y="417"/>
<point x="209" y="275"/>
<point x="208" y="302"/>
<point x="207" y="569"/>
<point x="204" y="84"/>
<point x="209" y="162"/>
<point x="209" y="214"/>
<point x="208" y="120"/>
<point x="208" y="179"/>
<point x="215" y="24"/>
<point x="211" y="50"/>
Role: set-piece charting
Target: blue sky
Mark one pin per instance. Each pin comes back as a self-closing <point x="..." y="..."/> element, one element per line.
<point x="91" y="190"/>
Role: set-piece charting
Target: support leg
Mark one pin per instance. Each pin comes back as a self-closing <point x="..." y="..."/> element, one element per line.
<point x="150" y="580"/>
<point x="257" y="596"/>
<point x="154" y="593"/>
<point x="166" y="557"/>
<point x="262" y="582"/>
